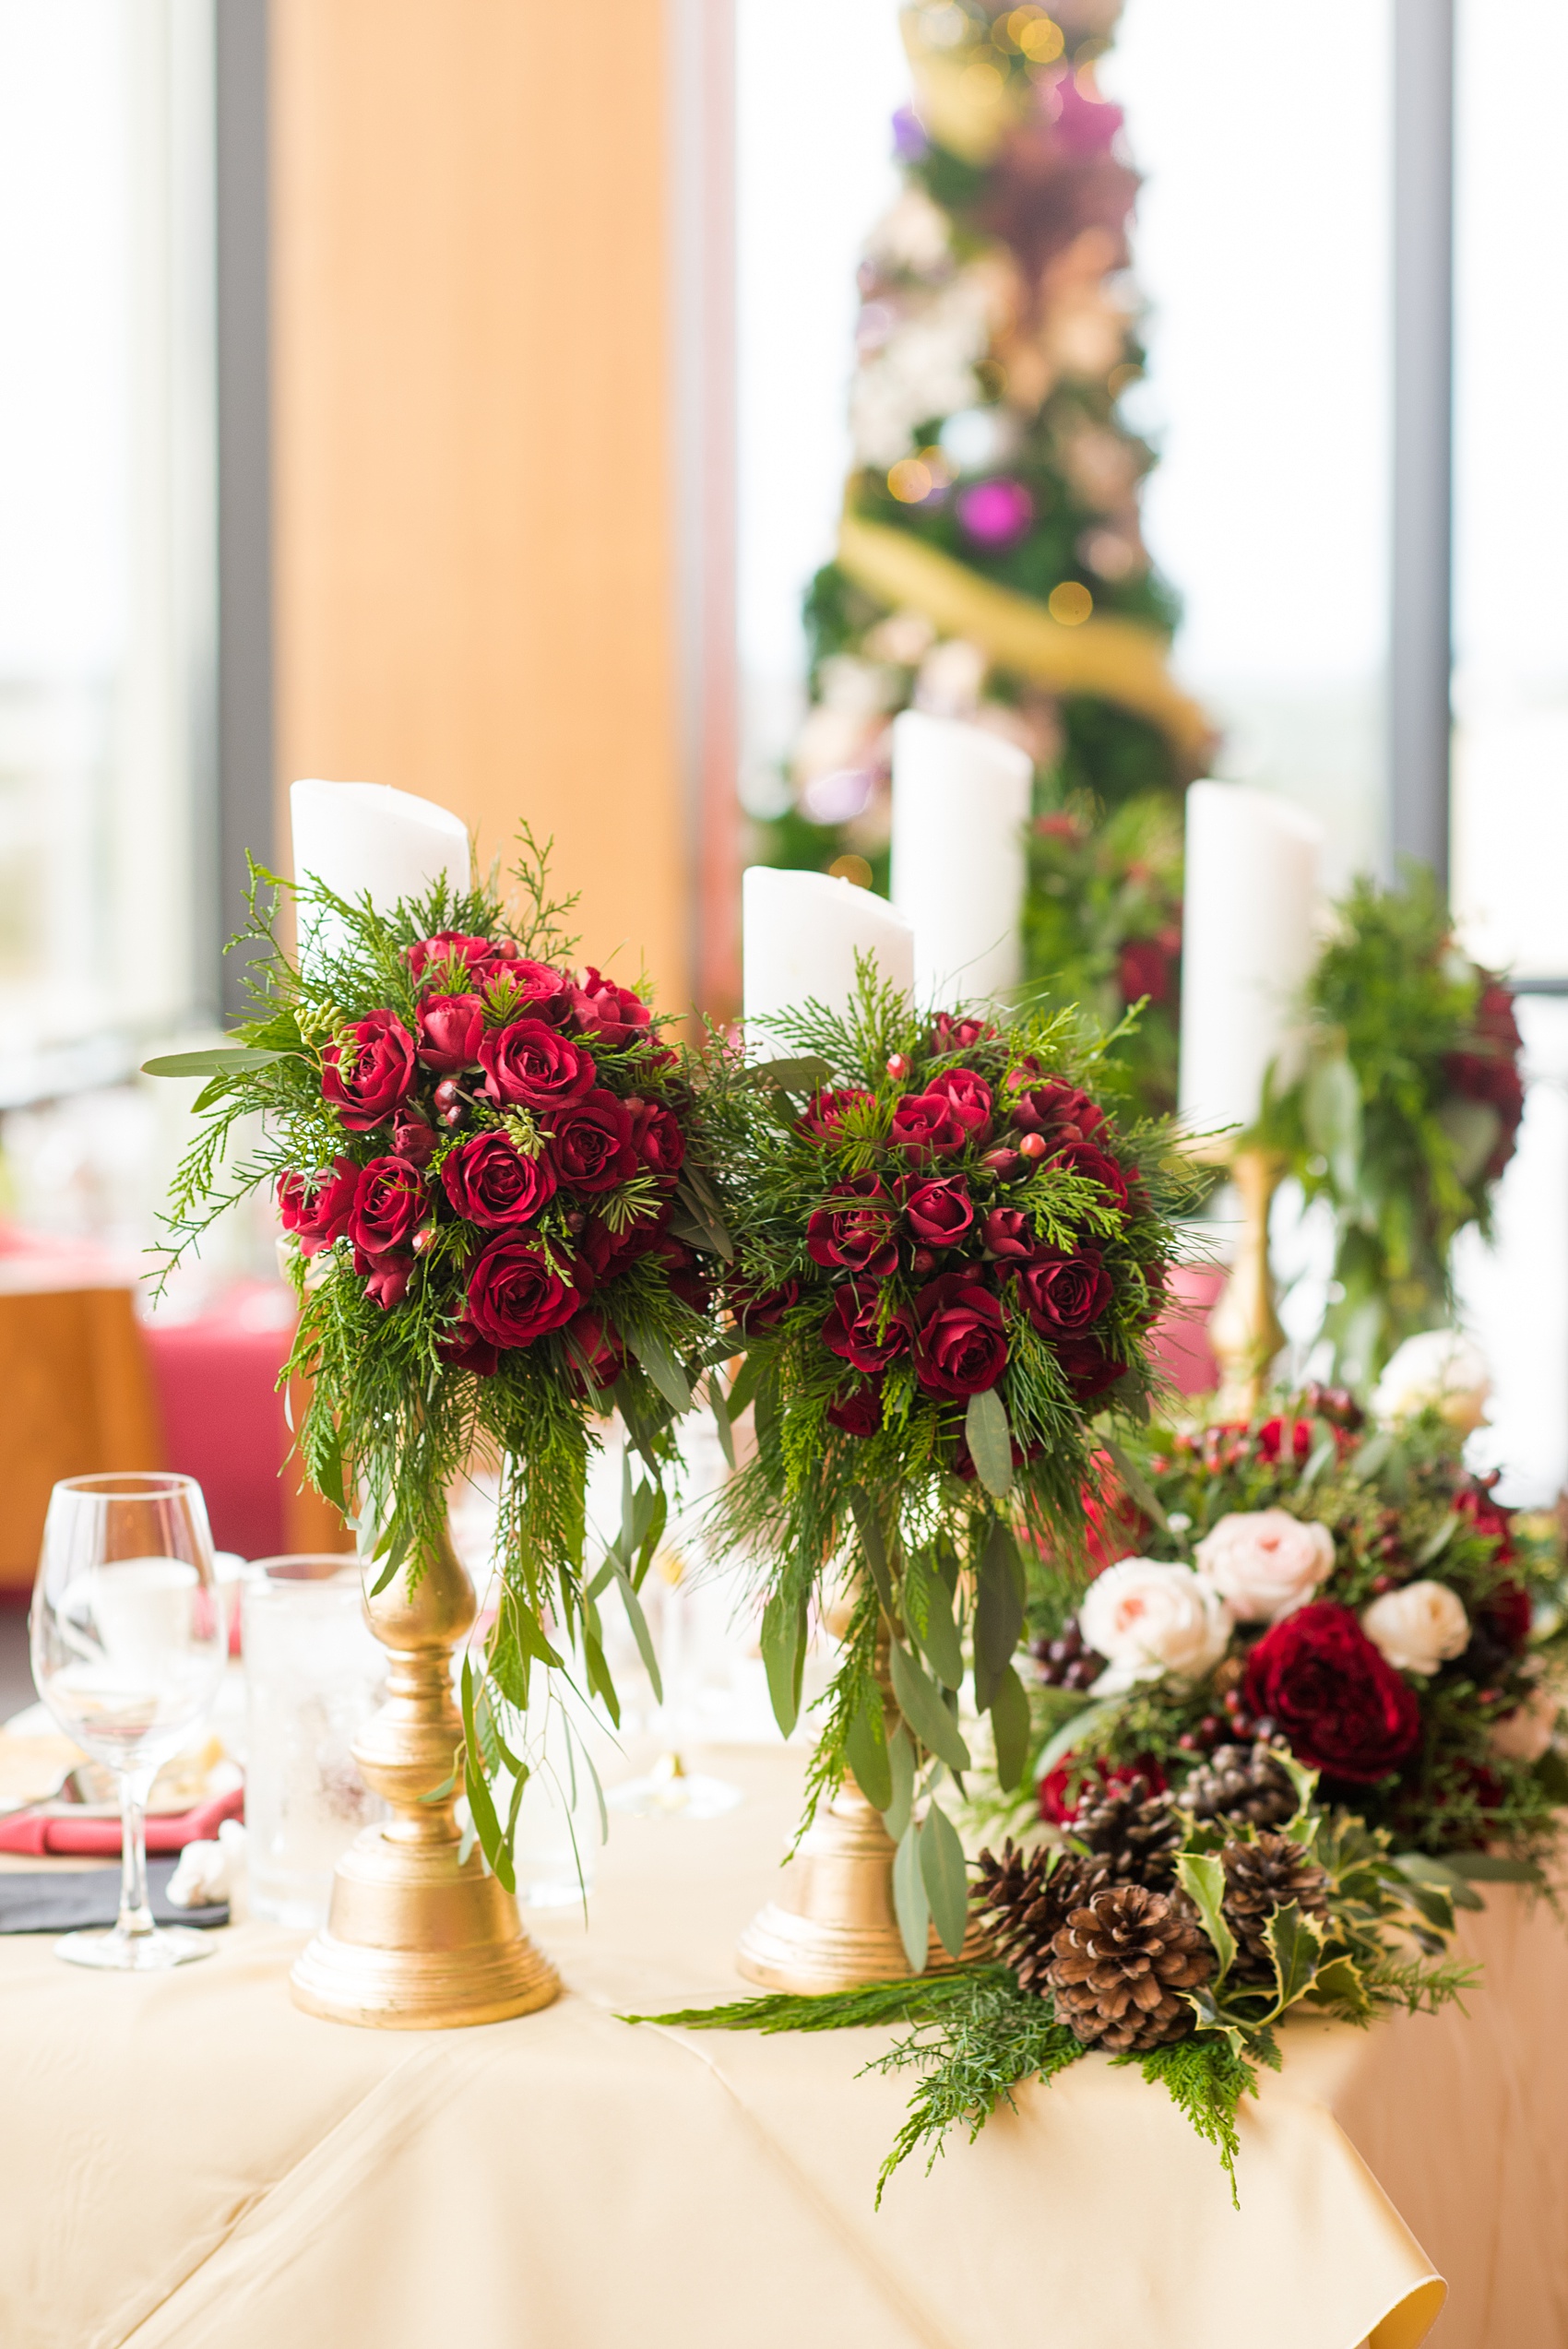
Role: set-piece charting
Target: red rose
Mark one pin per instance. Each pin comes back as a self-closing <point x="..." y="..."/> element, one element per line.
<point x="756" y="1312"/>
<point x="590" y="1143"/>
<point x="1083" y="1159"/>
<point x="594" y="1349"/>
<point x="1271" y="1438"/>
<point x="856" y="1409"/>
<point x="657" y="1135"/>
<point x="926" y="1126"/>
<point x="451" y="1027"/>
<point x="956" y="1032"/>
<point x="537" y="989"/>
<point x="391" y="1200"/>
<point x="967" y="1096"/>
<point x="530" y="1063"/>
<point x="1063" y="1294"/>
<point x="513" y="1297"/>
<point x="853" y="1331"/>
<point x="960" y="1345"/>
<point x="1343" y="1710"/>
<point x="939" y="1211"/>
<point x="369" y="1071"/>
<point x="824" y="1113"/>
<point x="1063" y="1789"/>
<point x="855" y="1235"/>
<point x="611" y="1014"/>
<point x="686" y="1278"/>
<point x="1009" y="1235"/>
<point x="463" y="1349"/>
<point x="1089" y="1370"/>
<point x="386" y="1277"/>
<point x="605" y="1251"/>
<point x="456" y="950"/>
<point x="317" y="1208"/>
<point x="490" y="1182"/>
<point x="1064" y="1112"/>
<point x="413" y="1137"/>
<point x="1146" y="967"/>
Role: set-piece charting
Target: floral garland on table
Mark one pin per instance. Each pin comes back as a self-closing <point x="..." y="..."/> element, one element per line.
<point x="497" y="1231"/>
<point x="948" y="1257"/>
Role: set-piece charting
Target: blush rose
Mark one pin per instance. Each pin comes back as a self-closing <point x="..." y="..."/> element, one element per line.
<point x="1152" y="1619"/>
<point x="1264" y="1563"/>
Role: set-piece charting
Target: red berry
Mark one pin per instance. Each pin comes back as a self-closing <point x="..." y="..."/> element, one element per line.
<point x="1233" y="1700"/>
<point x="1264" y="1728"/>
<point x="425" y="1238"/>
<point x="454" y="1116"/>
<point x="897" y="1066"/>
<point x="1031" y="1145"/>
<point x="1187" y="1742"/>
<point x="446" y="1092"/>
<point x="1210" y="1728"/>
<point x="1382" y="1583"/>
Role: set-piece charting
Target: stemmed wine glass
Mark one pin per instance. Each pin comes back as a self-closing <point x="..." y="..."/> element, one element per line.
<point x="128" y="1648"/>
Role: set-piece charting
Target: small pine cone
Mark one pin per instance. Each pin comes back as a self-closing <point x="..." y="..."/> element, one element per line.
<point x="1259" y="1878"/>
<point x="1025" y="1900"/>
<point x="1119" y="1965"/>
<point x="1136" y="1833"/>
<point x="1242" y="1782"/>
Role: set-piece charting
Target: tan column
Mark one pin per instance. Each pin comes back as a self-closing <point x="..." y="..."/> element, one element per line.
<point x="474" y="557"/>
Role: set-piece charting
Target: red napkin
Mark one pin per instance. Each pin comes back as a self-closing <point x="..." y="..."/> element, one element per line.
<point x="39" y="1831"/>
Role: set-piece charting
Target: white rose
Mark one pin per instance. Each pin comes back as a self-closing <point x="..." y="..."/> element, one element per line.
<point x="1417" y="1627"/>
<point x="1525" y="1734"/>
<point x="1441" y="1371"/>
<point x="1148" y="1618"/>
<point x="1265" y="1562"/>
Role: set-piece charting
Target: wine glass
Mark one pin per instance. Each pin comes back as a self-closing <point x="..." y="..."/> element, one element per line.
<point x="128" y="1647"/>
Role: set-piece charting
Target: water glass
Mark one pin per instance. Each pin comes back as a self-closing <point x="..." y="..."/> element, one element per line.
<point x="128" y="1649"/>
<point x="315" y="1673"/>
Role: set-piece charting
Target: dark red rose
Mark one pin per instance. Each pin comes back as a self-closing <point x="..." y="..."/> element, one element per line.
<point x="967" y="1096"/>
<point x="537" y="989"/>
<point x="1506" y="1614"/>
<point x="960" y="1345"/>
<point x="1063" y="1790"/>
<point x="656" y="1132"/>
<point x="1089" y="1370"/>
<point x="369" y="1071"/>
<point x="853" y="1231"/>
<point x="386" y="1277"/>
<point x="758" y="1312"/>
<point x="856" y="1409"/>
<point x="1009" y="1235"/>
<point x="392" y="1199"/>
<point x="606" y="1252"/>
<point x="413" y="1137"/>
<point x="1271" y="1438"/>
<point x="514" y="1296"/>
<point x="451" y="1027"/>
<point x="490" y="1182"/>
<point x="824" y="1113"/>
<point x="854" y="1330"/>
<point x="959" y="1032"/>
<point x="317" y="1208"/>
<point x="590" y="1143"/>
<point x="1487" y="1069"/>
<point x="927" y="1126"/>
<point x="529" y="1062"/>
<point x="1341" y="1708"/>
<point x="1062" y="1294"/>
<point x="611" y="1014"/>
<point x="686" y="1278"/>
<point x="594" y="1348"/>
<point x="456" y="950"/>
<point x="1062" y="1113"/>
<point x="939" y="1211"/>
<point x="1146" y="966"/>
<point x="463" y="1349"/>
<point x="1083" y="1159"/>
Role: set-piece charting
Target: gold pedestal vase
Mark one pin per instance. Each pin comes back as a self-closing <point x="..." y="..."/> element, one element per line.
<point x="833" y="1926"/>
<point x="1243" y="1328"/>
<point x="417" y="1937"/>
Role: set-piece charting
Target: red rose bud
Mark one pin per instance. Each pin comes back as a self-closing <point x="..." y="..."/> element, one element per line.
<point x="824" y="1113"/>
<point x="464" y="1349"/>
<point x="1064" y="1111"/>
<point x="1083" y="1159"/>
<point x="969" y="1096"/>
<point x="423" y="1240"/>
<point x="612" y="1015"/>
<point x="857" y="1411"/>
<point x="926" y="1126"/>
<point x="757" y="1313"/>
<point x="515" y="1297"/>
<point x="390" y="1202"/>
<point x="387" y="1278"/>
<point x="590" y="1143"/>
<point x="317" y="1208"/>
<point x="528" y="1063"/>
<point x="656" y="1137"/>
<point x="897" y="1067"/>
<point x="1032" y="1146"/>
<point x="369" y="1071"/>
<point x="1340" y="1707"/>
<point x="1063" y="1294"/>
<point x="939" y="1211"/>
<point x="593" y="1349"/>
<point x="1008" y="1233"/>
<point x="1002" y="1162"/>
<point x="960" y="1345"/>
<point x="413" y="1138"/>
<point x="854" y="1331"/>
<point x="451" y="1027"/>
<point x="490" y="1184"/>
<point x="923" y="1263"/>
<point x="854" y="1231"/>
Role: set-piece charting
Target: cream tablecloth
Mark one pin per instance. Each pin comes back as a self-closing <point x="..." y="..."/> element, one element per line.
<point x="189" y="2161"/>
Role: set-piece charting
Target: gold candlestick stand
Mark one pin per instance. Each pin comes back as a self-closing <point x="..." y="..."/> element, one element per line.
<point x="1243" y="1328"/>
<point x="418" y="1939"/>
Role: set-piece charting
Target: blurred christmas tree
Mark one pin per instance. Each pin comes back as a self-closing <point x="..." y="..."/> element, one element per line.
<point x="989" y="564"/>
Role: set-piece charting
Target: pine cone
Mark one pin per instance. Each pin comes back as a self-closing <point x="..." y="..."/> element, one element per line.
<point x="1026" y="1901"/>
<point x="1242" y="1782"/>
<point x="1259" y="1878"/>
<point x="1119" y="1965"/>
<point x="1136" y="1833"/>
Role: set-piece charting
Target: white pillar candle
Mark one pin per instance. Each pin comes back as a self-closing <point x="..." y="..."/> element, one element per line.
<point x="1248" y="941"/>
<point x="802" y="934"/>
<point x="360" y="836"/>
<point x="960" y="805"/>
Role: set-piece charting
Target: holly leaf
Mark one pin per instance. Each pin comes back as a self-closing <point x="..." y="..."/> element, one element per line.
<point x="1339" y="1983"/>
<point x="1202" y="1878"/>
<point x="1295" y="1946"/>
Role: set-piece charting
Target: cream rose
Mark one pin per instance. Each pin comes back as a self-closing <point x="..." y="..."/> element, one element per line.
<point x="1417" y="1627"/>
<point x="1439" y="1371"/>
<point x="1264" y="1563"/>
<point x="1525" y="1734"/>
<point x="1148" y="1618"/>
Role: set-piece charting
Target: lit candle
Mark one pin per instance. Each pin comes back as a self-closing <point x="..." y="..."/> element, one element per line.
<point x="1248" y="943"/>
<point x="802" y="932"/>
<point x="960" y="805"/>
<point x="360" y="836"/>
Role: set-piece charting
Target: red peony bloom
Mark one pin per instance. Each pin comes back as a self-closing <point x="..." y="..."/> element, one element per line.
<point x="590" y="1143"/>
<point x="758" y="1312"/>
<point x="490" y="1184"/>
<point x="514" y="1296"/>
<point x="927" y="1126"/>
<point x="527" y="1063"/>
<point x="317" y="1208"/>
<point x="1342" y="1708"/>
<point x="594" y="1348"/>
<point x="463" y="1349"/>
<point x="1063" y="1294"/>
<point x="1082" y="1158"/>
<point x="854" y="1231"/>
<point x="391" y="1200"/>
<point x="856" y="1409"/>
<point x="853" y="1331"/>
<point x="967" y="1096"/>
<point x="1008" y="1235"/>
<point x="656" y="1132"/>
<point x="960" y="1345"/>
<point x="611" y="1014"/>
<point x="450" y="1030"/>
<point x="386" y="1277"/>
<point x="370" y="1074"/>
<point x="1091" y="1370"/>
<point x="939" y="1210"/>
<point x="823" y="1118"/>
<point x="1062" y="1113"/>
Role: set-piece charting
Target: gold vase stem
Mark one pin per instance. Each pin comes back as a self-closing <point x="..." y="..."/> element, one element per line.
<point x="1245" y="1328"/>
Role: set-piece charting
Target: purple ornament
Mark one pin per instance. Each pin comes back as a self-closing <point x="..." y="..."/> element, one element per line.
<point x="995" y="514"/>
<point x="910" y="141"/>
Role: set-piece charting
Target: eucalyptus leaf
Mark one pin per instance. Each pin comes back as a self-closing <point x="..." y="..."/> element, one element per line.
<point x="1010" y="1729"/>
<point x="869" y="1526"/>
<point x="945" y="1878"/>
<point x="901" y="1769"/>
<point x="1202" y="1878"/>
<point x="661" y="1367"/>
<point x="990" y="1439"/>
<point x="783" y="1642"/>
<point x="911" y="1906"/>
<point x="928" y="1612"/>
<point x="721" y="1418"/>
<point x="999" y="1611"/>
<point x="1436" y="1543"/>
<point x="922" y="1706"/>
<point x="865" y="1749"/>
<point x="640" y="1632"/>
<point x="226" y="1059"/>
